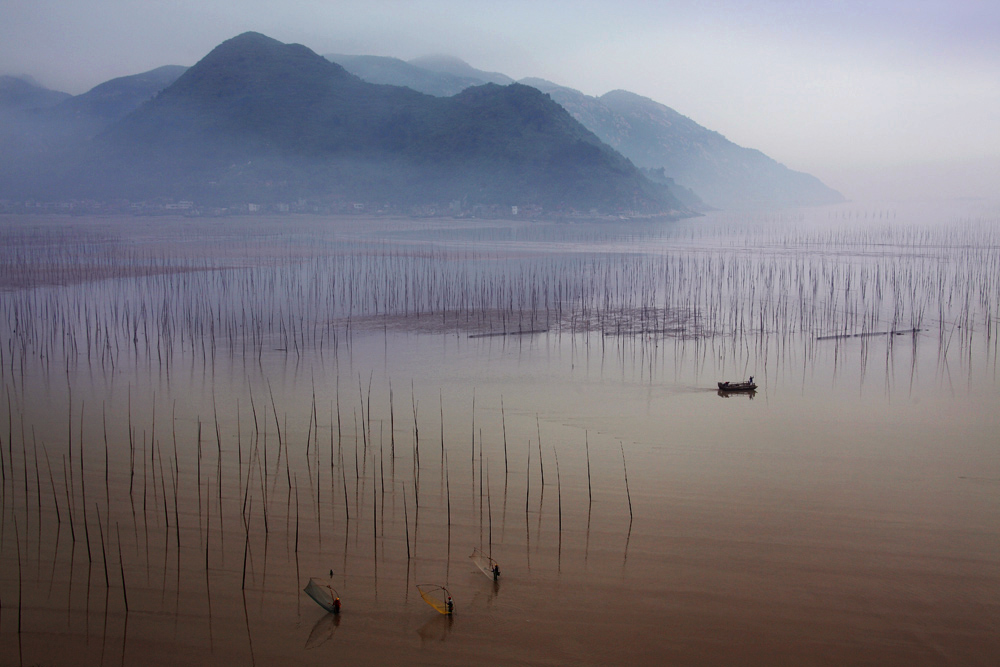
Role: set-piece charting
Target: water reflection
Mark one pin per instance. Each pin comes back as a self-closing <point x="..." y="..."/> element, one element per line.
<point x="322" y="630"/>
<point x="728" y="394"/>
<point x="278" y="362"/>
<point x="436" y="630"/>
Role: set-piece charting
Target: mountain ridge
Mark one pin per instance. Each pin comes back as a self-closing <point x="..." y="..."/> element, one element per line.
<point x="23" y="93"/>
<point x="277" y="122"/>
<point x="672" y="150"/>
<point x="652" y="135"/>
<point x="397" y="72"/>
<point x="726" y="174"/>
<point x="446" y="64"/>
<point x="116" y="98"/>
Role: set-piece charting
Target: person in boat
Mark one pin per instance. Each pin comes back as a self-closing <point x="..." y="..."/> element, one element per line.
<point x="451" y="605"/>
<point x="336" y="605"/>
<point x="751" y="379"/>
<point x="496" y="572"/>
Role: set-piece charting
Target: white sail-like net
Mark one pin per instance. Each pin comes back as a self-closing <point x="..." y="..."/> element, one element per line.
<point x="322" y="592"/>
<point x="483" y="562"/>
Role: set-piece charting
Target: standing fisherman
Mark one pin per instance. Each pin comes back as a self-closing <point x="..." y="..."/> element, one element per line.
<point x="336" y="598"/>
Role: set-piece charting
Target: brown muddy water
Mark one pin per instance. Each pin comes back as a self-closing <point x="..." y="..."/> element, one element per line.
<point x="199" y="415"/>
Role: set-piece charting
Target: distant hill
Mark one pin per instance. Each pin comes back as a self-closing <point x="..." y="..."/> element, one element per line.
<point x="25" y="130"/>
<point x="115" y="99"/>
<point x="653" y="135"/>
<point x="21" y="93"/>
<point x="444" y="64"/>
<point x="397" y="72"/>
<point x="697" y="164"/>
<point x="43" y="132"/>
<point x="258" y="120"/>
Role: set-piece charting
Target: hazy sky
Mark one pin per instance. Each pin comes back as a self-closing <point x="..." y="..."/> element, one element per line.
<point x="878" y="98"/>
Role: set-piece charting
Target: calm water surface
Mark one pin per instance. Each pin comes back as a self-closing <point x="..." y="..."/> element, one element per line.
<point x="200" y="415"/>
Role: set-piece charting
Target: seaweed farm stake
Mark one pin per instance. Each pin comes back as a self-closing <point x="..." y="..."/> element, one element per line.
<point x="541" y="462"/>
<point x="527" y="482"/>
<point x="406" y="523"/>
<point x="52" y="483"/>
<point x="447" y="485"/>
<point x="489" y="509"/>
<point x="558" y="489"/>
<point x="121" y="565"/>
<point x="503" y="421"/>
<point x="627" y="494"/>
<point x="83" y="490"/>
<point x="416" y="440"/>
<point x="69" y="500"/>
<point x="107" y="483"/>
<point x="296" y="483"/>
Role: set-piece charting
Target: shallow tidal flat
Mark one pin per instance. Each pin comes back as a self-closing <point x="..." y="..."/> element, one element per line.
<point x="199" y="415"/>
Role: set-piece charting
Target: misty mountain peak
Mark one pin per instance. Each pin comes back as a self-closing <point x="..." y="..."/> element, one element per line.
<point x="447" y="64"/>
<point x="258" y="118"/>
<point x="441" y="61"/>
<point x="254" y="49"/>
<point x="17" y="92"/>
<point x="248" y="41"/>
<point x="258" y="70"/>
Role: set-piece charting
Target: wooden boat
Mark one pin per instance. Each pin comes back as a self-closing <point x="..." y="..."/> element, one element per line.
<point x="737" y="386"/>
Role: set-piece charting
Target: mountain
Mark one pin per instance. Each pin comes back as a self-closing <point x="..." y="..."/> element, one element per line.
<point x="655" y="136"/>
<point x="258" y="120"/>
<point x="697" y="164"/>
<point x="25" y="130"/>
<point x="22" y="93"/>
<point x="115" y="99"/>
<point x="442" y="76"/>
<point x="42" y="131"/>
